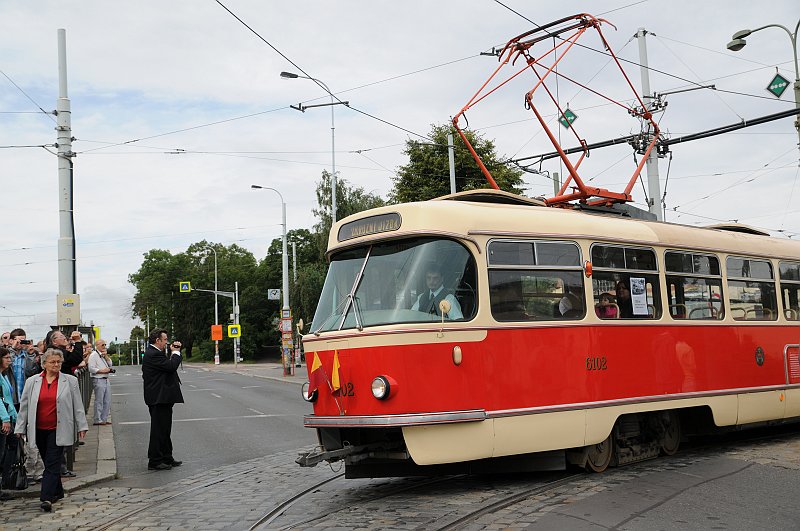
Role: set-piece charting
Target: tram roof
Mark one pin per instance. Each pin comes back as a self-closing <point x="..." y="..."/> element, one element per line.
<point x="496" y="213"/>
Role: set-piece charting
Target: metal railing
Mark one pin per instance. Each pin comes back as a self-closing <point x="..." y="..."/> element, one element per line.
<point x="85" y="386"/>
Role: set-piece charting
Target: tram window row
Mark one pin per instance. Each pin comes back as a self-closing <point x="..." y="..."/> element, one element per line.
<point x="544" y="280"/>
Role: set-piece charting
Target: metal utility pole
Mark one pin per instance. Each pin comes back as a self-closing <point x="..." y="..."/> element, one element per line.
<point x="67" y="280"/>
<point x="451" y="157"/>
<point x="556" y="183"/>
<point x="653" y="186"/>
<point x="216" y="306"/>
<point x="236" y="348"/>
<point x="294" y="260"/>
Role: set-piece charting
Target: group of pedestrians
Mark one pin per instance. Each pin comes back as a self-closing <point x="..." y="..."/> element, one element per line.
<point x="42" y="403"/>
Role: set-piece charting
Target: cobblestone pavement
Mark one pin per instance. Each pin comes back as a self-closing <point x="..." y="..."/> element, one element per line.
<point x="235" y="496"/>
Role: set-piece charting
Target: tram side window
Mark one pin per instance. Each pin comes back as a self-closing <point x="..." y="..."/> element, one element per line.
<point x="536" y="295"/>
<point x="694" y="286"/>
<point x="751" y="290"/>
<point x="535" y="280"/>
<point x="625" y="282"/>
<point x="790" y="290"/>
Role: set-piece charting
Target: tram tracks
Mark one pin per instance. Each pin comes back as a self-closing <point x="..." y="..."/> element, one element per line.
<point x="385" y="491"/>
<point x="169" y="498"/>
<point x="507" y="501"/>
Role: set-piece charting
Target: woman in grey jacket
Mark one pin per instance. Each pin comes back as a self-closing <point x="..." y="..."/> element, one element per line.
<point x="50" y="410"/>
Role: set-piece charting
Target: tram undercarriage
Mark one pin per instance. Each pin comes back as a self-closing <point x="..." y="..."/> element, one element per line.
<point x="382" y="452"/>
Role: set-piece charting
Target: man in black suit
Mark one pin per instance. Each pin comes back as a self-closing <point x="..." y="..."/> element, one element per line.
<point x="162" y="390"/>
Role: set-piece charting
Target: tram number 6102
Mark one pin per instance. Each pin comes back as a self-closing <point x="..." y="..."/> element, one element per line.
<point x="596" y="364"/>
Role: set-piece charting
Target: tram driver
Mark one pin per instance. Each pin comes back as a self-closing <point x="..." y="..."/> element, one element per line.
<point x="428" y="301"/>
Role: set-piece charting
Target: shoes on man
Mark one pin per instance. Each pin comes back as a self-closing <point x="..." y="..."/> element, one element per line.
<point x="160" y="466"/>
<point x="107" y="423"/>
<point x="46" y="506"/>
<point x="68" y="474"/>
<point x="176" y="463"/>
<point x="97" y="423"/>
<point x="4" y="496"/>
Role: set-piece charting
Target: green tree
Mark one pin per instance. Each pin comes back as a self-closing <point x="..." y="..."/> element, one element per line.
<point x="349" y="200"/>
<point x="427" y="174"/>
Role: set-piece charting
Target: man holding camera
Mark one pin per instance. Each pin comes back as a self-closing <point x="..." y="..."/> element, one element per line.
<point x="100" y="367"/>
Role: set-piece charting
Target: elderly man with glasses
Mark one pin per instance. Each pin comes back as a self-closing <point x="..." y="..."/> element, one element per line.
<point x="100" y="368"/>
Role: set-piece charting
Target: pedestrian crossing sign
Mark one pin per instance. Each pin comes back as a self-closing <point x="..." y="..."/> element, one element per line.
<point x="234" y="330"/>
<point x="185" y="286"/>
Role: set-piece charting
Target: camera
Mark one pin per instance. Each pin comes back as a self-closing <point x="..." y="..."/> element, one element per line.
<point x="112" y="371"/>
<point x="25" y="341"/>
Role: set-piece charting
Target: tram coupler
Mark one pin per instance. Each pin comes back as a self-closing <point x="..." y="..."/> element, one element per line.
<point x="364" y="451"/>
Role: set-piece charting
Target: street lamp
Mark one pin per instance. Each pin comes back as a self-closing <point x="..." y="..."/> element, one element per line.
<point x="739" y="42"/>
<point x="292" y="75"/>
<point x="285" y="257"/>
<point x="216" y="305"/>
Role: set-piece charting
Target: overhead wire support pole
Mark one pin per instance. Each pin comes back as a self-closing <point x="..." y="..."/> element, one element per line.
<point x="653" y="185"/>
<point x="67" y="278"/>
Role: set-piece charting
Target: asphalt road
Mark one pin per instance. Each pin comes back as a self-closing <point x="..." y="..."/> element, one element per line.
<point x="227" y="418"/>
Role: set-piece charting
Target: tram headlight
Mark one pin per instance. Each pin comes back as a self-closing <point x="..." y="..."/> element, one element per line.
<point x="309" y="397"/>
<point x="381" y="387"/>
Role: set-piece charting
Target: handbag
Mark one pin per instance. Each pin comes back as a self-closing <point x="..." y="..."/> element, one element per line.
<point x="16" y="477"/>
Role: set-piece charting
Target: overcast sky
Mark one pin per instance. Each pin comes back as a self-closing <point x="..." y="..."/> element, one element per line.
<point x="197" y="99"/>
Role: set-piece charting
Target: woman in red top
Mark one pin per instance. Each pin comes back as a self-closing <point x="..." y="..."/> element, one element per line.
<point x="40" y="421"/>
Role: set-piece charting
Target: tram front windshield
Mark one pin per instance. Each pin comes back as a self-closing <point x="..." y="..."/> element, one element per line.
<point x="397" y="282"/>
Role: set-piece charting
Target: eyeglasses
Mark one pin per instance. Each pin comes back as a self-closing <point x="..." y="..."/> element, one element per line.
<point x="55" y="362"/>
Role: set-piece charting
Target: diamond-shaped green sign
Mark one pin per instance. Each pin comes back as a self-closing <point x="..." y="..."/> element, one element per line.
<point x="567" y="118"/>
<point x="778" y="85"/>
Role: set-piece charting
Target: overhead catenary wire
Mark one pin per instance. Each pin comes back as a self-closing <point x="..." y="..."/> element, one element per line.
<point x="316" y="81"/>
<point x="49" y="114"/>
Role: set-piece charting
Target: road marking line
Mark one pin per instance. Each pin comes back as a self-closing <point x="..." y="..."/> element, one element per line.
<point x="203" y="419"/>
<point x="216" y="379"/>
<point x="251" y="386"/>
<point x="215" y="394"/>
<point x="209" y="389"/>
<point x="257" y="412"/>
<point x="190" y="385"/>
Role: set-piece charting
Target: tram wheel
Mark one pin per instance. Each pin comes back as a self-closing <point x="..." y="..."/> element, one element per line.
<point x="671" y="439"/>
<point x="599" y="455"/>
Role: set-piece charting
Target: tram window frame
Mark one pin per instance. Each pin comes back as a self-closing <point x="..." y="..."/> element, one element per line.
<point x="684" y="269"/>
<point x="607" y="274"/>
<point x="790" y="289"/>
<point x="755" y="281"/>
<point x="537" y="290"/>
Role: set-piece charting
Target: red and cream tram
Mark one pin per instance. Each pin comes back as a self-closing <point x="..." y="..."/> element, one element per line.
<point x="517" y="355"/>
<point x="483" y="327"/>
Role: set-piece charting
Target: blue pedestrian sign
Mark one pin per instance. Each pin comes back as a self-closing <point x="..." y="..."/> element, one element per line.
<point x="234" y="330"/>
<point x="185" y="286"/>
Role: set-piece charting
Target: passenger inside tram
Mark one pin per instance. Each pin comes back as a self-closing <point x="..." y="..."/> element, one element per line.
<point x="624" y="302"/>
<point x="570" y="306"/>
<point x="606" y="307"/>
<point x="507" y="305"/>
<point x="428" y="301"/>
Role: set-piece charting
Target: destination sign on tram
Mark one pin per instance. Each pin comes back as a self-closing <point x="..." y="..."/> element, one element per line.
<point x="370" y="225"/>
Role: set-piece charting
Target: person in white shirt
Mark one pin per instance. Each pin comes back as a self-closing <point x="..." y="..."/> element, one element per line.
<point x="428" y="301"/>
<point x="100" y="368"/>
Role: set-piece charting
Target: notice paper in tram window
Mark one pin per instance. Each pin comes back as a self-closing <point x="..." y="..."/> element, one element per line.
<point x="639" y="296"/>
